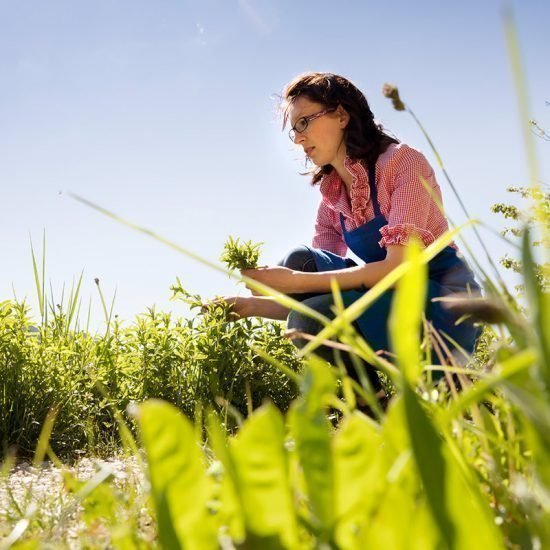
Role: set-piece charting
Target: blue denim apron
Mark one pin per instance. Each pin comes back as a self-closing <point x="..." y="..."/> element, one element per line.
<point x="447" y="274"/>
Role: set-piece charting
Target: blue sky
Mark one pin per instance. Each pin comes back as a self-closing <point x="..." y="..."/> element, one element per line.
<point x="163" y="112"/>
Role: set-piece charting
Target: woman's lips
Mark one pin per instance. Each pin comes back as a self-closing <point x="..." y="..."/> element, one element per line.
<point x="309" y="150"/>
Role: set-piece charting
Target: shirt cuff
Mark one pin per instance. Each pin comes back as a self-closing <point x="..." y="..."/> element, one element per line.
<point x="401" y="234"/>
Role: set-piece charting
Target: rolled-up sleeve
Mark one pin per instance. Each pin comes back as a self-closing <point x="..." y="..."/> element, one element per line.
<point x="328" y="233"/>
<point x="412" y="205"/>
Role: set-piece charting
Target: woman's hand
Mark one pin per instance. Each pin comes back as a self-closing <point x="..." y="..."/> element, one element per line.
<point x="278" y="278"/>
<point x="239" y="306"/>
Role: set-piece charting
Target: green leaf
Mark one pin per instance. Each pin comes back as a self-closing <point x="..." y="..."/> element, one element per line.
<point x="231" y="501"/>
<point x="310" y="429"/>
<point x="356" y="446"/>
<point x="261" y="468"/>
<point x="397" y="512"/>
<point x="358" y="472"/>
<point x="179" y="483"/>
<point x="402" y="519"/>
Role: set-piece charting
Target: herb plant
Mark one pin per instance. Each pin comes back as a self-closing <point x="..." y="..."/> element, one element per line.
<point x="240" y="255"/>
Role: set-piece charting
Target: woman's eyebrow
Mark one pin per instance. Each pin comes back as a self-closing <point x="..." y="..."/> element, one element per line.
<point x="295" y="120"/>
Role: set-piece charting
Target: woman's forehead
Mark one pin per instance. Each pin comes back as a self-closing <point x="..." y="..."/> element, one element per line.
<point x="302" y="106"/>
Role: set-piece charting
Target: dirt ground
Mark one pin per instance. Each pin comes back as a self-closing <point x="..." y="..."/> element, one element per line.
<point x="46" y="503"/>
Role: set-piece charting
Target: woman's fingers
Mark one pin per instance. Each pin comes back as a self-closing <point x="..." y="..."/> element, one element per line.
<point x="236" y="306"/>
<point x="256" y="275"/>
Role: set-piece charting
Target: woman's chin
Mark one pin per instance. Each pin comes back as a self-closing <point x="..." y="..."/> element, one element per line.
<point x="315" y="162"/>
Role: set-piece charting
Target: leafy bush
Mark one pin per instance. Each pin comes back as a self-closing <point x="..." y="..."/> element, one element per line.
<point x="192" y="363"/>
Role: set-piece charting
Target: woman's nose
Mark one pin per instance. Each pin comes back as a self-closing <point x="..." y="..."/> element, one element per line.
<point x="298" y="137"/>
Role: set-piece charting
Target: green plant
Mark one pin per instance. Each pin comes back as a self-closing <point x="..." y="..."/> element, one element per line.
<point x="192" y="363"/>
<point x="440" y="469"/>
<point x="527" y="218"/>
<point x="240" y="255"/>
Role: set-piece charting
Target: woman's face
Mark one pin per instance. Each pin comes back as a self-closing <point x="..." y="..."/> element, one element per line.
<point x="323" y="139"/>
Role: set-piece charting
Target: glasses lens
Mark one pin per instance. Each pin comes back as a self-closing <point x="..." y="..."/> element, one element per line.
<point x="301" y="124"/>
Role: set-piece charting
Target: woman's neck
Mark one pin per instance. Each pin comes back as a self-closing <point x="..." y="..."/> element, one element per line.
<point x="338" y="165"/>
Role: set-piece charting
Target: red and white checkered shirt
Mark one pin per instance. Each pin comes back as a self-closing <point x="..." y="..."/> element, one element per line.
<point x="403" y="199"/>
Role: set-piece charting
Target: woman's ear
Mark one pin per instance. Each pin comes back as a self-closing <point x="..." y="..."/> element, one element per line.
<point x="343" y="116"/>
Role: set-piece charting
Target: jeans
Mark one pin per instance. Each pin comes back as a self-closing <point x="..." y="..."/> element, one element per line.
<point x="301" y="259"/>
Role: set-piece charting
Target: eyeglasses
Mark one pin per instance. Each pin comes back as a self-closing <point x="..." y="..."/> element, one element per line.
<point x="302" y="123"/>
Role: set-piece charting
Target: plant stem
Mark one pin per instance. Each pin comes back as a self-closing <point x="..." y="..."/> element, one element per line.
<point x="462" y="205"/>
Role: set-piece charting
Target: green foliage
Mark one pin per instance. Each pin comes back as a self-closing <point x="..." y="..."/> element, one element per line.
<point x="285" y="496"/>
<point x="240" y="255"/>
<point x="536" y="212"/>
<point x="192" y="363"/>
<point x="441" y="469"/>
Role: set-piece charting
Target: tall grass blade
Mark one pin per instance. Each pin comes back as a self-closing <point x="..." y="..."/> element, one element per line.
<point x="443" y="481"/>
<point x="455" y="192"/>
<point x="406" y="315"/>
<point x="514" y="55"/>
<point x="39" y="286"/>
<point x="73" y="302"/>
<point x="44" y="276"/>
<point x="452" y="492"/>
<point x="16" y="533"/>
<point x="405" y="324"/>
<point x="432" y="467"/>
<point x="539" y="308"/>
<point x="44" y="439"/>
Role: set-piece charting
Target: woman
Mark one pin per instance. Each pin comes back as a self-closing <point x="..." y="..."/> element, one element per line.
<point x="372" y="201"/>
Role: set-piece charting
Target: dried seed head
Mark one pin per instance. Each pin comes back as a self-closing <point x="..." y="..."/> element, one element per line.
<point x="96" y="281"/>
<point x="481" y="309"/>
<point x="390" y="91"/>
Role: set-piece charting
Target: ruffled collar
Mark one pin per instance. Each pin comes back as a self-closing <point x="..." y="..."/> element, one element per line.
<point x="332" y="187"/>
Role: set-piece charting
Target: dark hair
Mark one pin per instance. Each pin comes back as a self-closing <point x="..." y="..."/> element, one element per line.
<point x="365" y="139"/>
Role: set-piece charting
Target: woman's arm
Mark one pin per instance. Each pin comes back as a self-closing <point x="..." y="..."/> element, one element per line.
<point x="288" y="281"/>
<point x="267" y="307"/>
<point x="353" y="277"/>
<point x="254" y="306"/>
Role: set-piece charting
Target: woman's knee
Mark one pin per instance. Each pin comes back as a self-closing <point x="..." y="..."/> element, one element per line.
<point x="302" y="323"/>
<point x="298" y="321"/>
<point x="305" y="324"/>
<point x="299" y="259"/>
